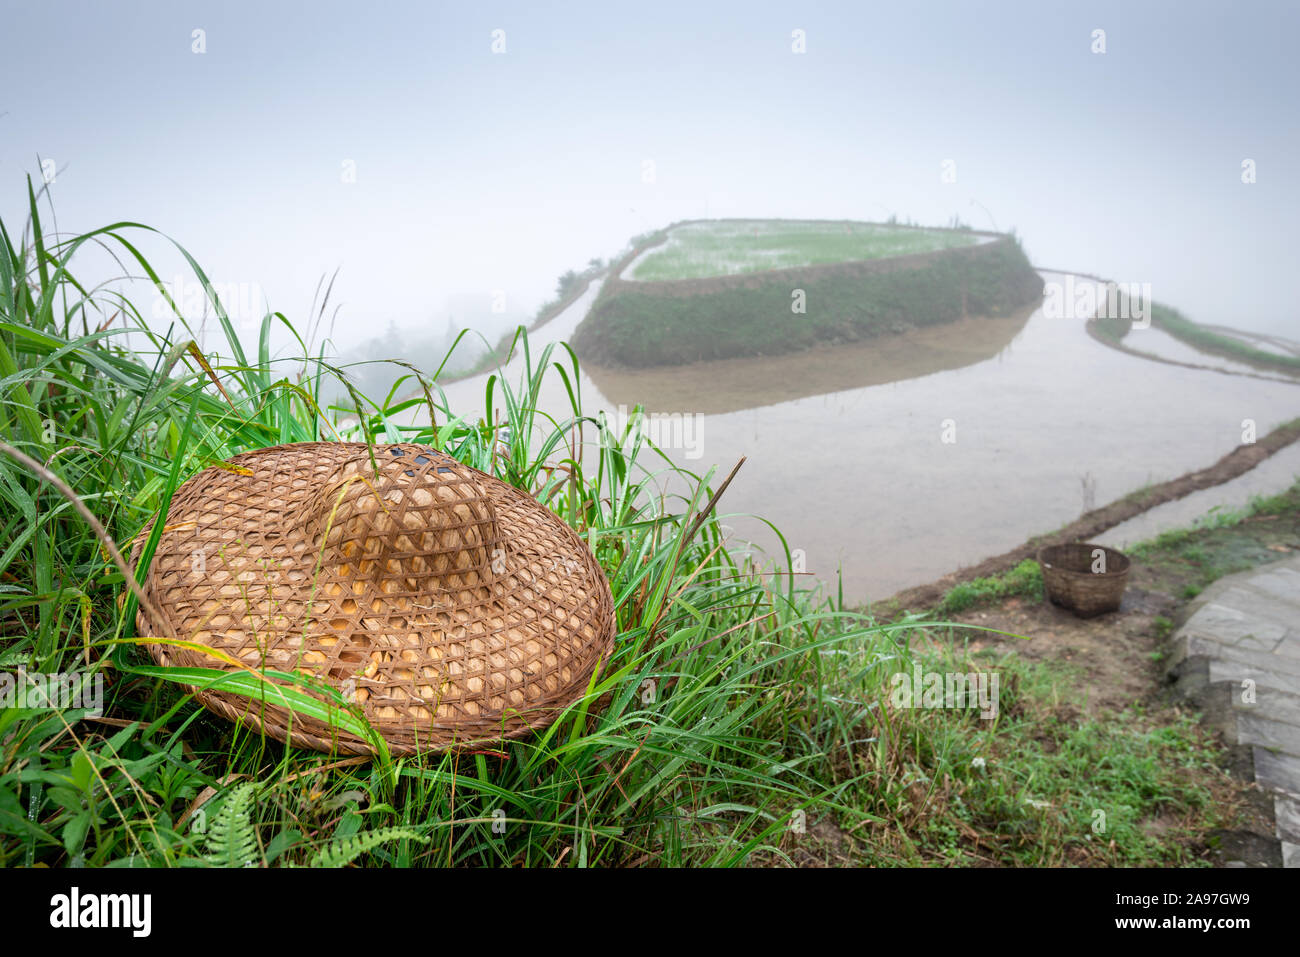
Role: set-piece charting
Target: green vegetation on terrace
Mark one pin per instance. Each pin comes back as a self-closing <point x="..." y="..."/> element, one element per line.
<point x="734" y="704"/>
<point x="1184" y="561"/>
<point x="732" y="246"/>
<point x="1116" y="330"/>
<point x="756" y="315"/>
<point x="1216" y="343"/>
<point x="1023" y="581"/>
<point x="1112" y="329"/>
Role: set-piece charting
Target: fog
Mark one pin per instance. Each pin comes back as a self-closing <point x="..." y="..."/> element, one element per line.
<point x="442" y="177"/>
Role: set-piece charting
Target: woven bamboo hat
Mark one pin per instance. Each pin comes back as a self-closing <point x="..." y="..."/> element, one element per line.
<point x="450" y="606"/>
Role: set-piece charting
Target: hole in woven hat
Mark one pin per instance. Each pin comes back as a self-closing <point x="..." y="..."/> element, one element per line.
<point x="421" y="459"/>
<point x="441" y="456"/>
<point x="348" y="663"/>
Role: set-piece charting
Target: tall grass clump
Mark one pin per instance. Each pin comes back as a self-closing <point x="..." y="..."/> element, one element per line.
<point x="734" y="703"/>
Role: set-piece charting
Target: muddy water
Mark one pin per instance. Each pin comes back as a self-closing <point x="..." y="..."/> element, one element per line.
<point x="894" y="484"/>
<point x="729" y="385"/>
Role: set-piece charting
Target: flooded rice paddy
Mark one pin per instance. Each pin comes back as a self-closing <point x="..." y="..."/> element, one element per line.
<point x="892" y="463"/>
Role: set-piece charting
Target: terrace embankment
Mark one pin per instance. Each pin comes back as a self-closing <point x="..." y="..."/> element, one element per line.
<point x="636" y="324"/>
<point x="1238" y="346"/>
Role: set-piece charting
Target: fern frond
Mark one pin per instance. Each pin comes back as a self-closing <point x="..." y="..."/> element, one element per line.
<point x="232" y="838"/>
<point x="349" y="849"/>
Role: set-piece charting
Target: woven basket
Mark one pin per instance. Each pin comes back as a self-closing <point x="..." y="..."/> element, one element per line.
<point x="451" y="608"/>
<point x="1071" y="581"/>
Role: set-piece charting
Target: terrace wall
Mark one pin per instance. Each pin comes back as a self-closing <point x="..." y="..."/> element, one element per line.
<point x="639" y="324"/>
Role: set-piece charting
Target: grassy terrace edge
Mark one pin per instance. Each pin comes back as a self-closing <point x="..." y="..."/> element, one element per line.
<point x="1180" y="327"/>
<point x="638" y="324"/>
<point x="1114" y="331"/>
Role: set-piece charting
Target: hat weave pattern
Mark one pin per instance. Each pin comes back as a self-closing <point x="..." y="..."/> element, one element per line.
<point x="449" y="606"/>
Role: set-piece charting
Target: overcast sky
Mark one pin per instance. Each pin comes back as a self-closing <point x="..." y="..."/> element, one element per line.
<point x="478" y="171"/>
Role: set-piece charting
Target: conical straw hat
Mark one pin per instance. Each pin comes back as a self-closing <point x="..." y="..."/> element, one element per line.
<point x="451" y="607"/>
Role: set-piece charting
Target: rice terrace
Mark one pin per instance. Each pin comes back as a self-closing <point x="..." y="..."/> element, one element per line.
<point x="596" y="485"/>
<point x="826" y="281"/>
<point x="703" y="249"/>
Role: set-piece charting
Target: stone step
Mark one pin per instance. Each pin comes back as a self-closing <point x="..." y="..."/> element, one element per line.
<point x="1194" y="644"/>
<point x="1286" y="811"/>
<point x="1278" y="771"/>
<point x="1279" y="582"/>
<point x="1237" y="671"/>
<point x="1241" y="618"/>
<point x="1238" y="624"/>
<point x="1270" y="702"/>
<point x="1246" y="628"/>
<point x="1256" y="728"/>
